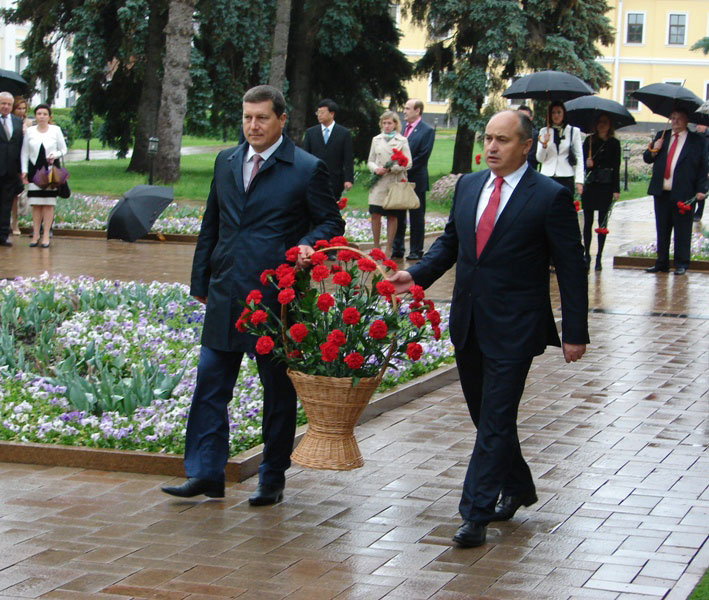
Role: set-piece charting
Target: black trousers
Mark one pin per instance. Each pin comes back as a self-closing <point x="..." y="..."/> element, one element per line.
<point x="417" y="220"/>
<point x="492" y="389"/>
<point x="8" y="190"/>
<point x="667" y="218"/>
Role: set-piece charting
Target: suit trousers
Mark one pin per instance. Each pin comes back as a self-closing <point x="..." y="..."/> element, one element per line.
<point x="207" y="440"/>
<point x="8" y="189"/>
<point x="667" y="218"/>
<point x="492" y="388"/>
<point x="417" y="219"/>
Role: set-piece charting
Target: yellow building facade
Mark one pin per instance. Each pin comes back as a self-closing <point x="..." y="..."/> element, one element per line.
<point x="652" y="44"/>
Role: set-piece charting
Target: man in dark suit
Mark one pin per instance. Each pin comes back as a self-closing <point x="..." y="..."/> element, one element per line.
<point x="332" y="143"/>
<point x="532" y="154"/>
<point x="420" y="137"/>
<point x="10" y="147"/>
<point x="702" y="130"/>
<point x="679" y="172"/>
<point x="266" y="196"/>
<point x="504" y="226"/>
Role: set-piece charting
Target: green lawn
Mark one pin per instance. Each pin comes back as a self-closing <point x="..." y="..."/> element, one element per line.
<point x="188" y="140"/>
<point x="701" y="592"/>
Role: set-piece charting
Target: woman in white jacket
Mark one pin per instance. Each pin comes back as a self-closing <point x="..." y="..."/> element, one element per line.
<point x="389" y="172"/>
<point x="43" y="144"/>
<point x="559" y="150"/>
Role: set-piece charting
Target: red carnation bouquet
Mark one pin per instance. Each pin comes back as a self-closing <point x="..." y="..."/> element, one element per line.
<point x="339" y="318"/>
<point x="397" y="157"/>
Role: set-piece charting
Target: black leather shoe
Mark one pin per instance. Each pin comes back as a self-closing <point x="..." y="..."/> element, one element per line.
<point x="194" y="487"/>
<point x="507" y="505"/>
<point x="599" y="266"/>
<point x="5" y="243"/>
<point x="414" y="256"/>
<point x="470" y="534"/>
<point x="265" y="495"/>
<point x="680" y="271"/>
<point x="397" y="255"/>
<point x="656" y="269"/>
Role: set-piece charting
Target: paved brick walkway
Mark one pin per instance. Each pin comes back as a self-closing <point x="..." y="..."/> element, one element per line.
<point x="617" y="444"/>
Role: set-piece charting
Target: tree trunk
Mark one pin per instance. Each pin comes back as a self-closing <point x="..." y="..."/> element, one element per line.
<point x="175" y="84"/>
<point x="149" y="103"/>
<point x="279" y="48"/>
<point x="463" y="149"/>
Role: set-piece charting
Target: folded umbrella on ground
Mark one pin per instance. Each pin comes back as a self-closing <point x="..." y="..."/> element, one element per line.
<point x="136" y="212"/>
<point x="584" y="112"/>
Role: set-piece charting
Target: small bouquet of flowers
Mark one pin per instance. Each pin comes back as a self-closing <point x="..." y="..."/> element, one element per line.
<point x="685" y="207"/>
<point x="397" y="157"/>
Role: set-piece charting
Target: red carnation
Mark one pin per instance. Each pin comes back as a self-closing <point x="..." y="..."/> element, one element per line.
<point x="434" y="317"/>
<point x="346" y="255"/>
<point x="364" y="264"/>
<point x="240" y="325"/>
<point x="283" y="269"/>
<point x="321" y="244"/>
<point x="258" y="317"/>
<point x="328" y="351"/>
<point x="285" y="296"/>
<point x="325" y="302"/>
<point x="335" y="269"/>
<point x="429" y="303"/>
<point x="354" y="360"/>
<point x="414" y="351"/>
<point x="298" y="332"/>
<point x="336" y="337"/>
<point x="264" y="345"/>
<point x="287" y="280"/>
<point x="350" y="315"/>
<point x="377" y="254"/>
<point x="339" y="240"/>
<point x="342" y="278"/>
<point x="577" y="205"/>
<point x="318" y="258"/>
<point x="417" y="319"/>
<point x="477" y="158"/>
<point x="378" y="329"/>
<point x="385" y="288"/>
<point x="295" y="354"/>
<point x="341" y="203"/>
<point x="319" y="273"/>
<point x="265" y="275"/>
<point x="414" y="305"/>
<point x="292" y="254"/>
<point x="602" y="230"/>
<point x="436" y="332"/>
<point x="416" y="292"/>
<point x="390" y="264"/>
<point x="254" y="296"/>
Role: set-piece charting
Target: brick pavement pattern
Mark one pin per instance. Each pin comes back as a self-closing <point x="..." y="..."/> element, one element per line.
<point x="617" y="443"/>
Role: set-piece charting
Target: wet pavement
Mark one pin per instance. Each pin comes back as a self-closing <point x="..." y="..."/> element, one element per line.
<point x="617" y="444"/>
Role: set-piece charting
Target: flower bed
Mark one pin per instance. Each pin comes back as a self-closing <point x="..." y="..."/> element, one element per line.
<point x="91" y="213"/>
<point x="109" y="364"/>
<point x="699" y="249"/>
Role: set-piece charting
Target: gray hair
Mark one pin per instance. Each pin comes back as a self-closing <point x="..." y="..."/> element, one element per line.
<point x="262" y="93"/>
<point x="7" y="95"/>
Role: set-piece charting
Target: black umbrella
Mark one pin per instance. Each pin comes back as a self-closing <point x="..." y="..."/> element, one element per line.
<point x="13" y="82"/>
<point x="136" y="211"/>
<point x="664" y="98"/>
<point x="584" y="112"/>
<point x="548" y="85"/>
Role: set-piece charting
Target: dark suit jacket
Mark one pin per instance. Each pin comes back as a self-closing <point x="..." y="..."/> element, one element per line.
<point x="532" y="155"/>
<point x="690" y="175"/>
<point x="504" y="294"/>
<point x="243" y="233"/>
<point x="421" y="144"/>
<point x="337" y="153"/>
<point x="10" y="149"/>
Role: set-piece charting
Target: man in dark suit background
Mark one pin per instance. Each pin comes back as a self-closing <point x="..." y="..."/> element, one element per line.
<point x="10" y="147"/>
<point x="679" y="172"/>
<point x="532" y="154"/>
<point x="332" y="143"/>
<point x="420" y="137"/>
<point x="702" y="130"/>
<point x="504" y="226"/>
<point x="266" y="196"/>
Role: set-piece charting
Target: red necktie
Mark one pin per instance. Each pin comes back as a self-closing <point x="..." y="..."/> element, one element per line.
<point x="407" y="131"/>
<point x="257" y="162"/>
<point x="670" y="156"/>
<point x="487" y="220"/>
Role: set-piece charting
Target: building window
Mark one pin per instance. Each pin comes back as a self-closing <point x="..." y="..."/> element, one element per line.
<point x="394" y="12"/>
<point x="706" y="91"/>
<point x="677" y="30"/>
<point x="515" y="101"/>
<point x="636" y="28"/>
<point x="434" y="94"/>
<point x="628" y="88"/>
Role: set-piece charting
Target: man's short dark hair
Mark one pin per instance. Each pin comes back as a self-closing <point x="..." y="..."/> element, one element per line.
<point x="525" y="129"/>
<point x="525" y="108"/>
<point x="262" y="93"/>
<point x="680" y="109"/>
<point x="331" y="105"/>
<point x="418" y="105"/>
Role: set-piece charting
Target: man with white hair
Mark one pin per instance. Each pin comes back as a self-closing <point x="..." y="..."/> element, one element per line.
<point x="10" y="147"/>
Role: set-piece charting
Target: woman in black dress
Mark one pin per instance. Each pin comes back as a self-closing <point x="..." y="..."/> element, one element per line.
<point x="602" y="159"/>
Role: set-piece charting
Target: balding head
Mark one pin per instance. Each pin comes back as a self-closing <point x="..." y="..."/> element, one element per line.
<point x="508" y="139"/>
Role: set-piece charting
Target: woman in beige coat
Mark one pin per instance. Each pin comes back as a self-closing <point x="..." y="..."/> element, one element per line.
<point x="389" y="172"/>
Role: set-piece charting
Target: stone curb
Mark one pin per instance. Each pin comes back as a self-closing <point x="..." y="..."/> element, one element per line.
<point x="239" y="467"/>
<point x="642" y="262"/>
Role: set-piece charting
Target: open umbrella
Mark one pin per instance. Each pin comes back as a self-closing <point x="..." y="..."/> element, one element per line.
<point x="136" y="211"/>
<point x="584" y="112"/>
<point x="13" y="82"/>
<point x="664" y="98"/>
<point x="701" y="115"/>
<point x="548" y="85"/>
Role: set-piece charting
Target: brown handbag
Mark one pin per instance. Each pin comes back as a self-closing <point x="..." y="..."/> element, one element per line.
<point x="401" y="196"/>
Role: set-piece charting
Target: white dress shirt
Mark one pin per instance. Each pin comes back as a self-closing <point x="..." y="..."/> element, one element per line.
<point x="667" y="183"/>
<point x="248" y="165"/>
<point x="506" y="190"/>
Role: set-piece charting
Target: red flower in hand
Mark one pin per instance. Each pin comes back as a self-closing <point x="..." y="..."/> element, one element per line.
<point x="240" y="325"/>
<point x="258" y="317"/>
<point x="319" y="273"/>
<point x="325" y="302"/>
<point x="341" y="203"/>
<point x="378" y="329"/>
<point x="477" y="159"/>
<point x="328" y="351"/>
<point x="264" y="345"/>
<point x="318" y="258"/>
<point x="417" y="292"/>
<point x="336" y="337"/>
<point x="292" y="254"/>
<point x="390" y="264"/>
<point x="298" y="332"/>
<point x="414" y="351"/>
<point x="285" y="296"/>
<point x="385" y="288"/>
<point x="577" y="205"/>
<point x="354" y="360"/>
<point x="341" y="278"/>
<point x="350" y="315"/>
<point x="321" y="244"/>
<point x="254" y="296"/>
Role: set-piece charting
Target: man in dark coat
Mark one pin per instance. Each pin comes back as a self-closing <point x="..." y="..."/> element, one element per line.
<point x="10" y="147"/>
<point x="504" y="226"/>
<point x="420" y="137"/>
<point x="532" y="155"/>
<point x="332" y="143"/>
<point x="679" y="172"/>
<point x="702" y="130"/>
<point x="266" y="196"/>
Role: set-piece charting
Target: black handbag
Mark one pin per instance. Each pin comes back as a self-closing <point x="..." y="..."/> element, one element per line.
<point x="572" y="155"/>
<point x="63" y="191"/>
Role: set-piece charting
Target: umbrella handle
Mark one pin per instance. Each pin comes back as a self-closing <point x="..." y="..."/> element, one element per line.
<point x="662" y="137"/>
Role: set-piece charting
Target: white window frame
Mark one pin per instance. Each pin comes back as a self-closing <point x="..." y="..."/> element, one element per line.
<point x="397" y="7"/>
<point x="667" y="30"/>
<point x="706" y="90"/>
<point x="429" y="91"/>
<point x="627" y="27"/>
<point x="640" y="84"/>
